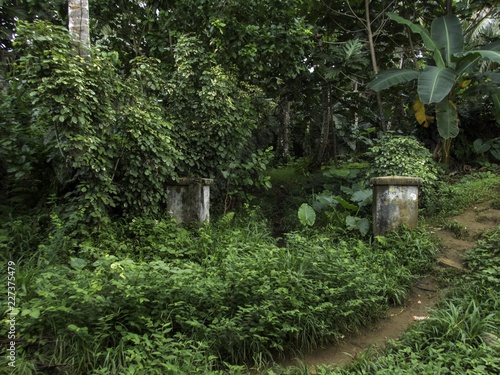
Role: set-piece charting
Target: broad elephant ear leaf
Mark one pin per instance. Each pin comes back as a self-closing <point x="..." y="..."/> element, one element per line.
<point x="435" y="83"/>
<point x="392" y="77"/>
<point x="447" y="119"/>
<point x="447" y="33"/>
<point x="306" y="214"/>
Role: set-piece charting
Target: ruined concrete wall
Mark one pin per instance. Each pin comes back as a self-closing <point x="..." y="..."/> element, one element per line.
<point x="189" y="200"/>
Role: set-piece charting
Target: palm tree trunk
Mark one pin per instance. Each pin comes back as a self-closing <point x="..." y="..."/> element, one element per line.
<point x="78" y="25"/>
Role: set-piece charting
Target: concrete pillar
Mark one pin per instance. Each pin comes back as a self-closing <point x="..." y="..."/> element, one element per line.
<point x="189" y="200"/>
<point x="395" y="202"/>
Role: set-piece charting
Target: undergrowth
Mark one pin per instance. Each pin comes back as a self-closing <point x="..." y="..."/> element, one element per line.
<point x="145" y="296"/>
<point x="454" y="196"/>
<point x="150" y="297"/>
<point x="462" y="334"/>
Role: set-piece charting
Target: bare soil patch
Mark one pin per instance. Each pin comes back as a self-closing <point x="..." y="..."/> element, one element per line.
<point x="424" y="295"/>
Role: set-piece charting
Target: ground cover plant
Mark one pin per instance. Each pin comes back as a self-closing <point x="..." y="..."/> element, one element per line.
<point x="203" y="300"/>
<point x="462" y="334"/>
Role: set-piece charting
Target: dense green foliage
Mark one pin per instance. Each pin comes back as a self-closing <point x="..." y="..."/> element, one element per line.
<point x="104" y="140"/>
<point x="404" y="156"/>
<point x="107" y="283"/>
<point x="226" y="287"/>
<point x="107" y="144"/>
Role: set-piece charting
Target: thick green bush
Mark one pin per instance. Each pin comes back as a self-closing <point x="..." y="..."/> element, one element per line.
<point x="394" y="155"/>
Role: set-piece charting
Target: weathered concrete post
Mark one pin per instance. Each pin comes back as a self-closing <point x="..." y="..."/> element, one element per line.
<point x="189" y="200"/>
<point x="395" y="202"/>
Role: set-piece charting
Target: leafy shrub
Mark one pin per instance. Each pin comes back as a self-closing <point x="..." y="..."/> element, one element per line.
<point x="103" y="137"/>
<point x="104" y="133"/>
<point x="394" y="155"/>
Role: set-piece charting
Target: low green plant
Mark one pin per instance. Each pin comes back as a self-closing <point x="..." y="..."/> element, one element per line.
<point x="491" y="146"/>
<point x="461" y="334"/>
<point x="495" y="203"/>
<point x="455" y="196"/>
<point x="347" y="213"/>
<point x="458" y="230"/>
<point x="202" y="300"/>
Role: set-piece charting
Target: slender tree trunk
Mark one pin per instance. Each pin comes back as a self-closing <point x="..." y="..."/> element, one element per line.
<point x="306" y="143"/>
<point x="374" y="61"/>
<point x="449" y="6"/>
<point x="284" y="134"/>
<point x="78" y="25"/>
<point x="325" y="124"/>
<point x="335" y="144"/>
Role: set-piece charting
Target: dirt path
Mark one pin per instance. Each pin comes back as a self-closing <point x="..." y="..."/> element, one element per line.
<point x="457" y="236"/>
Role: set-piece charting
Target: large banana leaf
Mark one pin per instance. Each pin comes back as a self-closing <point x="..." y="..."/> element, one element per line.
<point x="435" y="83"/>
<point x="447" y="33"/>
<point x="496" y="102"/>
<point x="486" y="54"/>
<point x="467" y="63"/>
<point x="468" y="60"/>
<point x="429" y="43"/>
<point x="392" y="77"/>
<point x="493" y="46"/>
<point x="447" y="119"/>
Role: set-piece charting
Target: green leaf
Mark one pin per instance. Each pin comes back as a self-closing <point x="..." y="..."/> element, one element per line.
<point x="429" y="43"/>
<point x="495" y="153"/>
<point x="486" y="54"/>
<point x="480" y="146"/>
<point x="78" y="263"/>
<point x="435" y="83"/>
<point x="470" y="58"/>
<point x="362" y="197"/>
<point x="350" y="222"/>
<point x="327" y="200"/>
<point x="467" y="63"/>
<point x="496" y="102"/>
<point x="447" y="32"/>
<point x="392" y="77"/>
<point x="306" y="214"/>
<point x="363" y="226"/>
<point x="447" y="119"/>
<point x="381" y="240"/>
<point x="34" y="313"/>
<point x="346" y="204"/>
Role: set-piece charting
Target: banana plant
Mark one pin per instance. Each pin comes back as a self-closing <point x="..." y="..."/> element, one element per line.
<point x="436" y="82"/>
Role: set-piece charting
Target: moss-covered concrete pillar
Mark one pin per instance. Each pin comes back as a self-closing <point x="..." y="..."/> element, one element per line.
<point x="189" y="200"/>
<point x="395" y="202"/>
